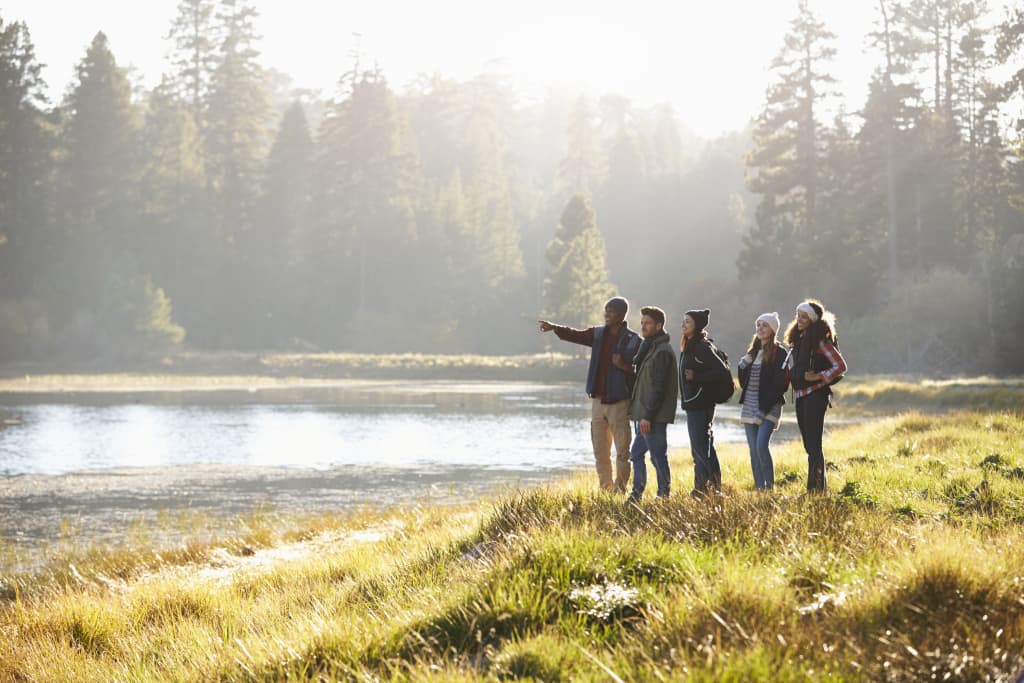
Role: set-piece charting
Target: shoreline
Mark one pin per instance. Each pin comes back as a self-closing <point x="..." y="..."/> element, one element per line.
<point x="891" y="571"/>
<point x="128" y="383"/>
<point x="89" y="507"/>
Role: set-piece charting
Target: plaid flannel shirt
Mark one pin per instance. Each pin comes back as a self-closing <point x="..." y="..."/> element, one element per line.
<point x="837" y="367"/>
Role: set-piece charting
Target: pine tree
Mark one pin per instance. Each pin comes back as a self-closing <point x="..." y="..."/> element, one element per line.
<point x="624" y="198"/>
<point x="177" y="252"/>
<point x="937" y="31"/>
<point x="785" y="164"/>
<point x="1007" y="263"/>
<point x="1009" y="41"/>
<point x="577" y="284"/>
<point x="981" y="188"/>
<point x="194" y="53"/>
<point x="892" y="108"/>
<point x="280" y="246"/>
<point x="100" y="168"/>
<point x="97" y="180"/>
<point x="1009" y="48"/>
<point x="366" y="191"/>
<point x="173" y="165"/>
<point x="105" y="301"/>
<point x="25" y="153"/>
<point x="463" y="131"/>
<point x="23" y="160"/>
<point x="482" y="154"/>
<point x="453" y="272"/>
<point x="850" y="243"/>
<point x="582" y="168"/>
<point x="238" y="117"/>
<point x="238" y="114"/>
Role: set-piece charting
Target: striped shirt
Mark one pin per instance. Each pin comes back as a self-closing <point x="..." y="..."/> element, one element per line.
<point x="750" y="413"/>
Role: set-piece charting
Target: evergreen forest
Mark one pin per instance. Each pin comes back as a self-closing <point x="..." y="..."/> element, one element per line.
<point x="224" y="209"/>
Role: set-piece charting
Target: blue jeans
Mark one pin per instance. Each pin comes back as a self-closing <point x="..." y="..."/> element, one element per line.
<point x="707" y="472"/>
<point x="657" y="443"/>
<point x="758" y="438"/>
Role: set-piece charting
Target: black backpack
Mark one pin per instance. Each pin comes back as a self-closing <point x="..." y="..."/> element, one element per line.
<point x="721" y="391"/>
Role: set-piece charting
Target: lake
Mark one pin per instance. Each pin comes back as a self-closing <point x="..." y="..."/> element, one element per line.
<point x="99" y="460"/>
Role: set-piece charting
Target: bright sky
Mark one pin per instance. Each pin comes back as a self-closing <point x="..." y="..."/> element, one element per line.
<point x="708" y="58"/>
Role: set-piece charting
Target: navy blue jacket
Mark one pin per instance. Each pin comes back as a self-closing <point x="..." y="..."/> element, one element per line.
<point x="616" y="386"/>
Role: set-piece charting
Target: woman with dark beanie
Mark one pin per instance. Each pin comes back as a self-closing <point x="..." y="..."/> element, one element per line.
<point x="698" y="367"/>
<point x="815" y="363"/>
<point x="764" y="378"/>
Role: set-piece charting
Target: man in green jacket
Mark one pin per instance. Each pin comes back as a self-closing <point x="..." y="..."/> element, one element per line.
<point x="653" y="403"/>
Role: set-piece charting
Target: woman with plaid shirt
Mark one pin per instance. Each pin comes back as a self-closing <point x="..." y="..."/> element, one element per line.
<point x="815" y="364"/>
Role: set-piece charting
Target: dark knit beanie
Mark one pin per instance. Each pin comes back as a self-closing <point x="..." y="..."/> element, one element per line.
<point x="700" y="318"/>
<point x="618" y="304"/>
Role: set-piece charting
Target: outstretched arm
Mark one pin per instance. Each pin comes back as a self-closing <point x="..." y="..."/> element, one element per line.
<point x="569" y="334"/>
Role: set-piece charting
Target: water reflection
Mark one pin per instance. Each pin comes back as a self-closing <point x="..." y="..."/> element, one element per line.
<point x="480" y="425"/>
<point x="106" y="459"/>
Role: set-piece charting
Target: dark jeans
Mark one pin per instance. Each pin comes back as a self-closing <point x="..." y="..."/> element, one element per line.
<point x="657" y="443"/>
<point x="707" y="472"/>
<point x="810" y="417"/>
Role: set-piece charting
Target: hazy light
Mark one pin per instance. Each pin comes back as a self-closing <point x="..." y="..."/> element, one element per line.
<point x="708" y="59"/>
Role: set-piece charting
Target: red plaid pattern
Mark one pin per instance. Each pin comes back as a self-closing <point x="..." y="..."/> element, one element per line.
<point x="837" y="367"/>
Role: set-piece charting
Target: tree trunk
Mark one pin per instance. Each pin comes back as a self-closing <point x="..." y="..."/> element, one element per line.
<point x="890" y="171"/>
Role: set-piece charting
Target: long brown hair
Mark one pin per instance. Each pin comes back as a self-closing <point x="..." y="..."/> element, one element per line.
<point x="822" y="329"/>
<point x="755" y="346"/>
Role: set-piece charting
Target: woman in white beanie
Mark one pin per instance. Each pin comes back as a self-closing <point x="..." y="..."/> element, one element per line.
<point x="815" y="364"/>
<point x="764" y="378"/>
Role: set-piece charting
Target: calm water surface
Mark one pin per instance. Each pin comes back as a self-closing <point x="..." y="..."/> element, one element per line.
<point x="105" y="459"/>
<point x="485" y="425"/>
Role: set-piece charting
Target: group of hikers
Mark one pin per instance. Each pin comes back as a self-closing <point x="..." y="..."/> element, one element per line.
<point x="634" y="381"/>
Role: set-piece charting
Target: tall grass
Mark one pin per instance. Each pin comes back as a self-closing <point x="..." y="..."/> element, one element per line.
<point x="910" y="569"/>
<point x="894" y="394"/>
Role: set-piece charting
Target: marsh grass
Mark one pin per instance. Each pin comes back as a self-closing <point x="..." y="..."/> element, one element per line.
<point x="858" y="395"/>
<point x="204" y="370"/>
<point x="885" y="394"/>
<point x="911" y="569"/>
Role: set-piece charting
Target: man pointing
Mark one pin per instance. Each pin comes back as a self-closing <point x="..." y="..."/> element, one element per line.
<point x="613" y="346"/>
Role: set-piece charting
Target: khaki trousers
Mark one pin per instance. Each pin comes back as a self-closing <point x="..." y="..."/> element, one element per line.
<point x="608" y="422"/>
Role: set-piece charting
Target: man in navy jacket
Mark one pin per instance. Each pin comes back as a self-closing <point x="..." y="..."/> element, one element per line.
<point x="613" y="346"/>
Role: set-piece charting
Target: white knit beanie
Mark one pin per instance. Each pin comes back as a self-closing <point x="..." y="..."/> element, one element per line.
<point x="771" y="318"/>
<point x="809" y="308"/>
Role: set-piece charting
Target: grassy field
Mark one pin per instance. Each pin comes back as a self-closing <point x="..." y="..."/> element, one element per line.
<point x="911" y="568"/>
